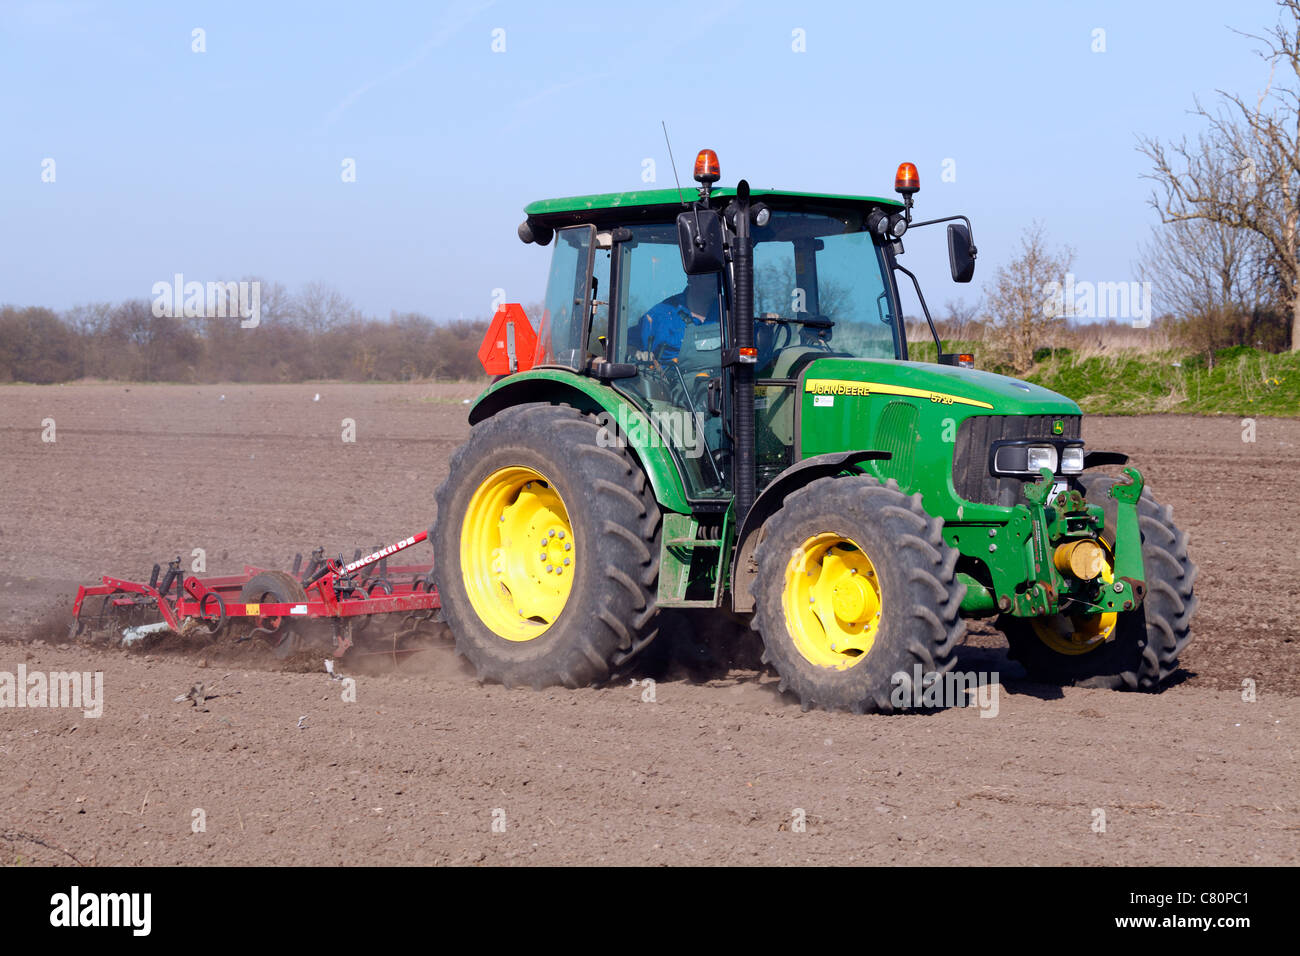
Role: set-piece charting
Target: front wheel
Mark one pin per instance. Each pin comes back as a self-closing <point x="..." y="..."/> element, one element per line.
<point x="857" y="599"/>
<point x="1128" y="650"/>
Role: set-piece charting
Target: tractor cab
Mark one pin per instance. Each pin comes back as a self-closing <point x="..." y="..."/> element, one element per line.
<point x="643" y="293"/>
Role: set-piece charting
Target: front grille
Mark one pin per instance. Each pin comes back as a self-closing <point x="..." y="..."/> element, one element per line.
<point x="975" y="437"/>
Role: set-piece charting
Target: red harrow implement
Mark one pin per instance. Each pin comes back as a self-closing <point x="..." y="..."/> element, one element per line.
<point x="273" y="604"/>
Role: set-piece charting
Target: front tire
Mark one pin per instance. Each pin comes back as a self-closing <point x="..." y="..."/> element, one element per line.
<point x="856" y="585"/>
<point x="1130" y="650"/>
<point x="547" y="545"/>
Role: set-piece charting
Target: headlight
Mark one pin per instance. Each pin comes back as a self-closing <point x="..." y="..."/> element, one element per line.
<point x="1072" y="459"/>
<point x="1041" y="456"/>
<point x="1024" y="459"/>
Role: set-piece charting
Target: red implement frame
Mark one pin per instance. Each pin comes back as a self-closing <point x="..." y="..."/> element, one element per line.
<point x="333" y="591"/>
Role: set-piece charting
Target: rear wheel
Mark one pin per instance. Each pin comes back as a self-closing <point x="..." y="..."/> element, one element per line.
<point x="856" y="585"/>
<point x="550" y="534"/>
<point x="1129" y="650"/>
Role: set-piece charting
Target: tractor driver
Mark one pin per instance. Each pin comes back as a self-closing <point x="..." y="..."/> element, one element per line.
<point x="663" y="327"/>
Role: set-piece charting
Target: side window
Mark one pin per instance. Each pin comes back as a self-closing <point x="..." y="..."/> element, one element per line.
<point x="568" y="291"/>
<point x="853" y="294"/>
<point x="776" y="293"/>
<point x="597" y="340"/>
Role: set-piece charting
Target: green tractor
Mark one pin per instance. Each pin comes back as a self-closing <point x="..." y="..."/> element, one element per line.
<point x="717" y="414"/>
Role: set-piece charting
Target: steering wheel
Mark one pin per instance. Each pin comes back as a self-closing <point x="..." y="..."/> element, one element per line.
<point x="767" y="329"/>
<point x="817" y="331"/>
<point x="686" y="387"/>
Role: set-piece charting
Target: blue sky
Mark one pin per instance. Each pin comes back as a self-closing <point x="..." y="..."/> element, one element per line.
<point x="228" y="163"/>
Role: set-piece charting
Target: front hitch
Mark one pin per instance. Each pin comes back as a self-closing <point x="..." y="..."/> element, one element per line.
<point x="1056" y="525"/>
<point x="1129" y="586"/>
<point x="1022" y="554"/>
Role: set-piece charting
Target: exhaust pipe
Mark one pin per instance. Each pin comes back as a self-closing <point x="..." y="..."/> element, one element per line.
<point x="742" y="260"/>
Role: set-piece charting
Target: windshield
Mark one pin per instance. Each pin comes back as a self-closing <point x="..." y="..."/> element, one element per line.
<point x="819" y="286"/>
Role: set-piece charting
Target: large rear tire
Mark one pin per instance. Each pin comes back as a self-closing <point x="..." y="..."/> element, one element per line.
<point x="547" y="545"/>
<point x="1131" y="650"/>
<point x="856" y="585"/>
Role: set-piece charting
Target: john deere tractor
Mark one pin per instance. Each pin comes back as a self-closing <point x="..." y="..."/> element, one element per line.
<point x="716" y="411"/>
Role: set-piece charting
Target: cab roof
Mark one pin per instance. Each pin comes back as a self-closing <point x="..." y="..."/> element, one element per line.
<point x="651" y="204"/>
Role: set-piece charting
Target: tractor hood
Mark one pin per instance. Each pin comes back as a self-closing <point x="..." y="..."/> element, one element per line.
<point x="941" y="384"/>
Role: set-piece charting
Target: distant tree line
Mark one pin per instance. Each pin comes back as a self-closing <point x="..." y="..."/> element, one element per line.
<point x="1201" y="290"/>
<point x="314" y="334"/>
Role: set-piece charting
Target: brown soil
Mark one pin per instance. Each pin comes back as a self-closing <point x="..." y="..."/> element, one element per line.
<point x="713" y="771"/>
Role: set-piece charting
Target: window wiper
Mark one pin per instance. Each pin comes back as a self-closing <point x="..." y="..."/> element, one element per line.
<point x="924" y="308"/>
<point x="814" y="322"/>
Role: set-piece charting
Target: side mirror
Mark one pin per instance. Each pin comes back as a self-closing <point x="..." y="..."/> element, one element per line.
<point x="961" y="252"/>
<point x="699" y="237"/>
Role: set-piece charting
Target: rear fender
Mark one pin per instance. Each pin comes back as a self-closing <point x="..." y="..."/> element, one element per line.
<point x="563" y="387"/>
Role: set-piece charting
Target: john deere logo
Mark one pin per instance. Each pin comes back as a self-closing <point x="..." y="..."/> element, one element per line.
<point x="1058" y="428"/>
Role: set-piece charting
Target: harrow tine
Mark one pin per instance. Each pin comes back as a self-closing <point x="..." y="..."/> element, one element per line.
<point x="351" y="597"/>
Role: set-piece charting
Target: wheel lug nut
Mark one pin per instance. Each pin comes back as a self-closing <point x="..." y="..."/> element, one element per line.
<point x="568" y="546"/>
<point x="566" y="562"/>
<point x="551" y="533"/>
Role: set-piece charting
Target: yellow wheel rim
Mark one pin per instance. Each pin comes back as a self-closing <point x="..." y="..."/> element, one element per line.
<point x="832" y="601"/>
<point x="517" y="553"/>
<point x="1079" y="633"/>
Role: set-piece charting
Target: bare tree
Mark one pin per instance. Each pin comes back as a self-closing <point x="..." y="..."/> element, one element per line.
<point x="321" y="309"/>
<point x="1025" y="304"/>
<point x="1216" y="279"/>
<point x="1244" y="173"/>
<point x="960" y="320"/>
